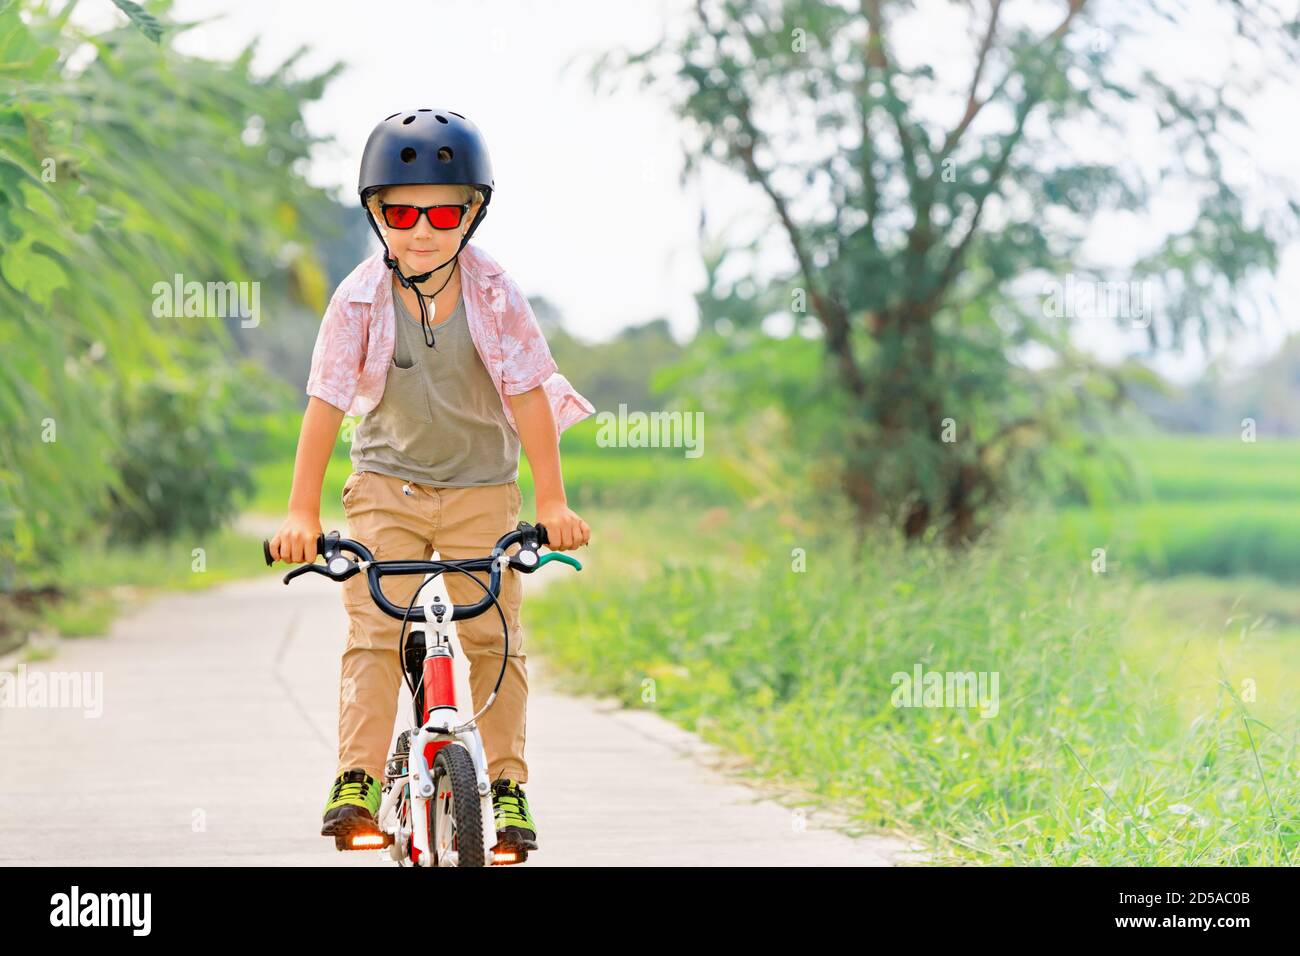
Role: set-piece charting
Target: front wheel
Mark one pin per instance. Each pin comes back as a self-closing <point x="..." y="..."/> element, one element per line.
<point x="455" y="817"/>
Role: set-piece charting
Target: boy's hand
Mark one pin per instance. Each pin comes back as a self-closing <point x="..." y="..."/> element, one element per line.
<point x="564" y="529"/>
<point x="295" y="542"/>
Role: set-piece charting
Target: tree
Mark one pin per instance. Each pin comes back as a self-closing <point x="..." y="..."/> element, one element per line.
<point x="911" y="233"/>
<point x="118" y="171"/>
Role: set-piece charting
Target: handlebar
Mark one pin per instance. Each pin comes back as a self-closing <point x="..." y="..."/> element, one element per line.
<point x="338" y="567"/>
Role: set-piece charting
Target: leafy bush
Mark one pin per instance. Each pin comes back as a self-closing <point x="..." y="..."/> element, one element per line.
<point x="187" y="450"/>
<point x="106" y="189"/>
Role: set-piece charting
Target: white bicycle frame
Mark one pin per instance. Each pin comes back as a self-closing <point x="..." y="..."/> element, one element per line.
<point x="444" y="723"/>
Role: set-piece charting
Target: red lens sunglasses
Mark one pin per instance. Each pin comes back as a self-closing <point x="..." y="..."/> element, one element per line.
<point x="405" y="216"/>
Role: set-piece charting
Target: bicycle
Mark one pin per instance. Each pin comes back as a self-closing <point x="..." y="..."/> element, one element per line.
<point x="446" y="770"/>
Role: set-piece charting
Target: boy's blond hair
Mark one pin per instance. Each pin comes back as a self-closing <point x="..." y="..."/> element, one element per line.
<point x="470" y="194"/>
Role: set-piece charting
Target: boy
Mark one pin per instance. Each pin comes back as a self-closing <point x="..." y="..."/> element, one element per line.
<point x="447" y="401"/>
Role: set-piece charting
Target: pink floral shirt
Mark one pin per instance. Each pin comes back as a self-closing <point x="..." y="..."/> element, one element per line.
<point x="354" y="347"/>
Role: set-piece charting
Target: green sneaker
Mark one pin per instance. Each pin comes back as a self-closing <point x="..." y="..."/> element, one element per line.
<point x="353" y="804"/>
<point x="514" y="823"/>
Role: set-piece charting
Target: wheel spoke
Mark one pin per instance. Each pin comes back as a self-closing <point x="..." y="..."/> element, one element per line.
<point x="444" y="827"/>
<point x="453" y="776"/>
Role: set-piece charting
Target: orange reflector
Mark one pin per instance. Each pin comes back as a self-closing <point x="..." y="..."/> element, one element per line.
<point x="368" y="839"/>
<point x="505" y="856"/>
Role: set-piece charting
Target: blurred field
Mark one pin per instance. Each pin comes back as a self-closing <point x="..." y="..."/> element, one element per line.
<point x="1205" y="468"/>
<point x="1213" y="506"/>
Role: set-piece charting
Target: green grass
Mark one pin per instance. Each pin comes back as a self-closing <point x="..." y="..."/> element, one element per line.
<point x="1205" y="505"/>
<point x="1120" y="738"/>
<point x="90" y="616"/>
<point x="191" y="563"/>
<point x="1209" y="636"/>
<point x="1217" y="469"/>
<point x="1189" y="537"/>
<point x="31" y="654"/>
<point x="108" y="579"/>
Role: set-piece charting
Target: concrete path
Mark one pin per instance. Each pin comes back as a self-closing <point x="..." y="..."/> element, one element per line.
<point x="217" y="739"/>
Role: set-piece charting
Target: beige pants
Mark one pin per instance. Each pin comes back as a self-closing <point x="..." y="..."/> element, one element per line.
<point x="459" y="523"/>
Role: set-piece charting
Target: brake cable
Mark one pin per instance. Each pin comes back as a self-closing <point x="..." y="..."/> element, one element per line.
<point x="505" y="628"/>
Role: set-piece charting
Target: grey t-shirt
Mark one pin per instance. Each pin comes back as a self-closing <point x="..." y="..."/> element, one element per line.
<point x="440" y="420"/>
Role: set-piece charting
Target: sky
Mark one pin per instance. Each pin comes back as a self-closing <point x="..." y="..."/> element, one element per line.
<point x="589" y="211"/>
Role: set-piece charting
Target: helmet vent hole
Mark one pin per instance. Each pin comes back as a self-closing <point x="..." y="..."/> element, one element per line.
<point x="408" y="155"/>
<point x="410" y="119"/>
<point x="444" y="154"/>
<point x="387" y="118"/>
<point x="442" y="119"/>
<point x="424" y="111"/>
<point x="454" y="113"/>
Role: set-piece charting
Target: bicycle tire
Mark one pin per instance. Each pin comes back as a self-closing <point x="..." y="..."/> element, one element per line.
<point x="455" y="764"/>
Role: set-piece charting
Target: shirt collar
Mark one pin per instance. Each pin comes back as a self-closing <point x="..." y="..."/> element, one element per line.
<point x="477" y="265"/>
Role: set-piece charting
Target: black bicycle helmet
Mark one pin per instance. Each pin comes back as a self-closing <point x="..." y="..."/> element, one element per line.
<point x="425" y="146"/>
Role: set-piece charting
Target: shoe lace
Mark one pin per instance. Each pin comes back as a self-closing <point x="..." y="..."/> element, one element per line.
<point x="348" y="786"/>
<point x="510" y="802"/>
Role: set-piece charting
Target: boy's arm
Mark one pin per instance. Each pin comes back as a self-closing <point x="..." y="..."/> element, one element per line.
<point x="541" y="443"/>
<point x="296" y="539"/>
<point x="332" y="383"/>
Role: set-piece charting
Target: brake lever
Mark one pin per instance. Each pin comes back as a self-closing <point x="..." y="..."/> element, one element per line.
<point x="305" y="569"/>
<point x="337" y="566"/>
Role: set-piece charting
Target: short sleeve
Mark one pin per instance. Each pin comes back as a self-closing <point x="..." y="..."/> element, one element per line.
<point x="526" y="360"/>
<point x="336" y="359"/>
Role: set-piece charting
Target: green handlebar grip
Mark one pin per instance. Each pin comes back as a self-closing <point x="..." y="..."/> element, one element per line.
<point x="553" y="556"/>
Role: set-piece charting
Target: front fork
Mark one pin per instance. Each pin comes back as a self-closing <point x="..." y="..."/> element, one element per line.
<point x="420" y="780"/>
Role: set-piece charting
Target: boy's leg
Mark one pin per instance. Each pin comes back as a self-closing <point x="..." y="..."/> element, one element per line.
<point x="394" y="526"/>
<point x="471" y="520"/>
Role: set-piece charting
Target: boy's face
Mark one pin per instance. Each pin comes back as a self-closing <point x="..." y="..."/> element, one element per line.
<point x="422" y="247"/>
